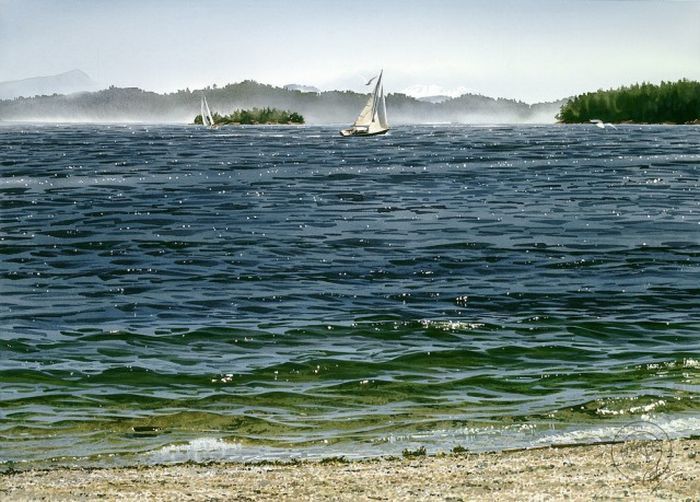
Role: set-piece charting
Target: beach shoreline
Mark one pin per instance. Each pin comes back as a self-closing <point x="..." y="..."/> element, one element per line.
<point x="602" y="471"/>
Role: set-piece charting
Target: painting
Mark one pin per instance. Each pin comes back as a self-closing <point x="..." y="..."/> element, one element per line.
<point x="349" y="250"/>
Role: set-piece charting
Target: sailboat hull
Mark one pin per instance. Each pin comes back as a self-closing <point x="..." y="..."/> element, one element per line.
<point x="359" y="132"/>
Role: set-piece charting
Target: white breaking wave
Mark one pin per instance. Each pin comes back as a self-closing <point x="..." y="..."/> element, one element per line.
<point x="198" y="450"/>
<point x="474" y="439"/>
<point x="675" y="428"/>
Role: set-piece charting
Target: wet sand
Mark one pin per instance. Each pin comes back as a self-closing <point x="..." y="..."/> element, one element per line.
<point x="577" y="473"/>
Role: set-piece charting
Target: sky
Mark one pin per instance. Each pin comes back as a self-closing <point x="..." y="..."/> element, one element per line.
<point x="532" y="50"/>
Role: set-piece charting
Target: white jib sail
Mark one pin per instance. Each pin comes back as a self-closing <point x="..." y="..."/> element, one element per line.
<point x="367" y="113"/>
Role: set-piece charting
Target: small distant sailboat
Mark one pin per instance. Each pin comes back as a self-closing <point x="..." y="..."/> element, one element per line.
<point x="372" y="119"/>
<point x="602" y="125"/>
<point x="207" y="118"/>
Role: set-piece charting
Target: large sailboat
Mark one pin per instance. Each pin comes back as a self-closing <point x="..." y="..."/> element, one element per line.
<point x="372" y="119"/>
<point x="207" y="119"/>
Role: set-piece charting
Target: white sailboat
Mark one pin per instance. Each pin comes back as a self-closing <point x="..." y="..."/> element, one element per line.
<point x="372" y="119"/>
<point x="207" y="119"/>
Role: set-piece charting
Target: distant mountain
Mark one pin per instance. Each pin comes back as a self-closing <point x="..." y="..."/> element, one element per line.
<point x="331" y="107"/>
<point x="63" y="83"/>
<point x="302" y="88"/>
<point x="425" y="92"/>
<point x="434" y="99"/>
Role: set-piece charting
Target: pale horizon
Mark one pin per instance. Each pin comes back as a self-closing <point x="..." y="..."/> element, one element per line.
<point x="528" y="51"/>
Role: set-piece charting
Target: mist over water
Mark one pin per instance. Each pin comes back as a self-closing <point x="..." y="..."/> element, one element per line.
<point x="172" y="292"/>
<point x="130" y="105"/>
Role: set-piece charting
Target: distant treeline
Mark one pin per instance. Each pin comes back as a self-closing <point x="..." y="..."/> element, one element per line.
<point x="256" y="116"/>
<point x="669" y="102"/>
<point x="329" y="107"/>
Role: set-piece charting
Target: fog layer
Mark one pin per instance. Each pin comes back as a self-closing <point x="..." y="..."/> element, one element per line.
<point x="332" y="107"/>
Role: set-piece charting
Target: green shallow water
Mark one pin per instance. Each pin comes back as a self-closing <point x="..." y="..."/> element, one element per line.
<point x="430" y="381"/>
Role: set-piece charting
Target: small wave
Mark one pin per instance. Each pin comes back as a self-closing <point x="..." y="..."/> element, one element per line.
<point x="451" y="325"/>
<point x="633" y="410"/>
<point x="198" y="450"/>
<point x="683" y="363"/>
<point x="675" y="428"/>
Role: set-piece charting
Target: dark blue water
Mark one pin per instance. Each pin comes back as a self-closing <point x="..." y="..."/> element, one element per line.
<point x="170" y="292"/>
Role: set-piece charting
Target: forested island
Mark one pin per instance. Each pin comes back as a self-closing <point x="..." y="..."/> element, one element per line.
<point x="668" y="102"/>
<point x="255" y="116"/>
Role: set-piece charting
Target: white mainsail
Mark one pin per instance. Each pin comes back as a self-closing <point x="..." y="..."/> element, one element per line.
<point x="381" y="110"/>
<point x="209" y="116"/>
<point x="203" y="112"/>
<point x="207" y="119"/>
<point x="372" y="118"/>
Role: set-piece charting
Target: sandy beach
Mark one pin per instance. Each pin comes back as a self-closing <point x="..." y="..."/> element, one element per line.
<point x="576" y="473"/>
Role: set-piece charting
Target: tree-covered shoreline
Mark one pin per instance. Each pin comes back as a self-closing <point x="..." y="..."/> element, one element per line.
<point x="256" y="116"/>
<point x="668" y="102"/>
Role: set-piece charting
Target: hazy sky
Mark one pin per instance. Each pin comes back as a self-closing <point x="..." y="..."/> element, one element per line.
<point x="525" y="49"/>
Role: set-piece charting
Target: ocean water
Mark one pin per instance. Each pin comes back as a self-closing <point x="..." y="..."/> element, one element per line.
<point x="173" y="293"/>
